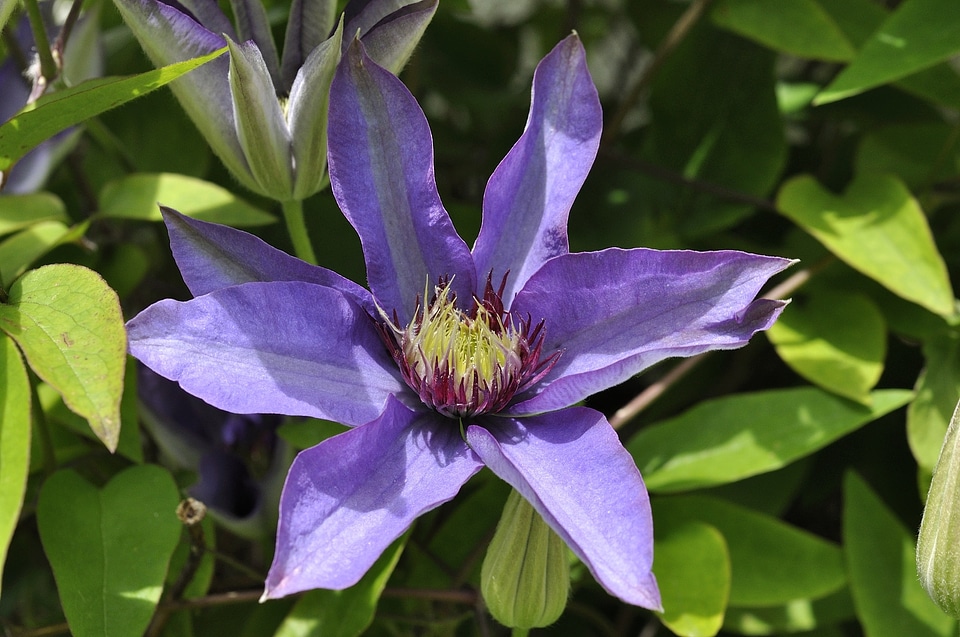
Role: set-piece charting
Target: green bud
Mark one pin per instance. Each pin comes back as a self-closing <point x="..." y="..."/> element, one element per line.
<point x="938" y="548"/>
<point x="525" y="577"/>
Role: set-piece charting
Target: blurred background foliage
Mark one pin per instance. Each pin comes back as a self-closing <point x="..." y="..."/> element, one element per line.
<point x="788" y="478"/>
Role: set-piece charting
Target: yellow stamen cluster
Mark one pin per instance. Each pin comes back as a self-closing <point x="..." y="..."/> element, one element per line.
<point x="478" y="354"/>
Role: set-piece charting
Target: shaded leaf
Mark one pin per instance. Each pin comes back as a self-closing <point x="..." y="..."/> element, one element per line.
<point x="693" y="572"/>
<point x="881" y="557"/>
<point x="734" y="437"/>
<point x="109" y="548"/>
<point x="907" y="41"/>
<point x="139" y="196"/>
<point x="21" y="211"/>
<point x="14" y="440"/>
<point x="937" y="389"/>
<point x="836" y="341"/>
<point x="797" y="27"/>
<point x="878" y="228"/>
<point x="762" y="549"/>
<point x="59" y="111"/>
<point x="793" y="617"/>
<point x="68" y="324"/>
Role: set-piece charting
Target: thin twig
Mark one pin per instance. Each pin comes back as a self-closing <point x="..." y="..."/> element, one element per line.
<point x="458" y="596"/>
<point x="676" y="35"/>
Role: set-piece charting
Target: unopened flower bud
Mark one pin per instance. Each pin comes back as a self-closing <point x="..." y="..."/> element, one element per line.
<point x="938" y="548"/>
<point x="525" y="577"/>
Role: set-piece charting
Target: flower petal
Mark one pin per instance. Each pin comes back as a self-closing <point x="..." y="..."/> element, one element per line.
<point x="211" y="257"/>
<point x="616" y="312"/>
<point x="261" y="126"/>
<point x="307" y="114"/>
<point x="309" y="24"/>
<point x="381" y="172"/>
<point x="282" y="347"/>
<point x="389" y="29"/>
<point x="169" y="36"/>
<point x="571" y="467"/>
<point x="209" y="14"/>
<point x="349" y="497"/>
<point x="529" y="195"/>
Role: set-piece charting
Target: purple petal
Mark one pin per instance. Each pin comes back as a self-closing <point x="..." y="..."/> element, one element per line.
<point x="381" y="172"/>
<point x="349" y="497"/>
<point x="211" y="257"/>
<point x="390" y="29"/>
<point x="282" y="347"/>
<point x="528" y="198"/>
<point x="571" y="467"/>
<point x="309" y="24"/>
<point x="169" y="36"/>
<point x="209" y="14"/>
<point x="616" y="312"/>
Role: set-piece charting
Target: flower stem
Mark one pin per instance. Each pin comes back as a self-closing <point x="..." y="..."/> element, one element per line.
<point x="48" y="66"/>
<point x="297" y="227"/>
<point x="520" y="632"/>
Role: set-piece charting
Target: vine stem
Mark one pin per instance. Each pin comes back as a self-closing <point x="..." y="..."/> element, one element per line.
<point x="676" y="35"/>
<point x="297" y="228"/>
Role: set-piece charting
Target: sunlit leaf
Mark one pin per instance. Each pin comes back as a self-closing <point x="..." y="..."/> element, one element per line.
<point x="18" y="251"/>
<point x="68" y="324"/>
<point x="693" y="571"/>
<point x="836" y="341"/>
<point x="793" y="617"/>
<point x="14" y="440"/>
<point x="734" y="437"/>
<point x="138" y="196"/>
<point x="21" y="211"/>
<point x="878" y="228"/>
<point x="60" y="110"/>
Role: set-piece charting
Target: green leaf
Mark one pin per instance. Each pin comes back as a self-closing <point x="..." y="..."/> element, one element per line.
<point x="918" y="153"/>
<point x="138" y="196"/>
<point x="797" y="27"/>
<point x="937" y="389"/>
<point x="878" y="228"/>
<point x="771" y="562"/>
<point x="793" y="617"/>
<point x="881" y="557"/>
<point x="6" y="9"/>
<point x="693" y="572"/>
<point x="836" y="341"/>
<point x="20" y="250"/>
<point x="734" y="437"/>
<point x="60" y="110"/>
<point x="21" y="211"/>
<point x="907" y="41"/>
<point x="109" y="548"/>
<point x="68" y="323"/>
<point x="14" y="440"/>
<point x="343" y="613"/>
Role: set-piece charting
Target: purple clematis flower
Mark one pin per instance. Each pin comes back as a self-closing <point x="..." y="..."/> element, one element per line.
<point x="263" y="115"/>
<point x="455" y="359"/>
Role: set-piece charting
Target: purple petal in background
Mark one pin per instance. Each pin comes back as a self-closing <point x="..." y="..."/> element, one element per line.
<point x="381" y="172"/>
<point x="309" y="24"/>
<point x="349" y="497"/>
<point x="528" y="198"/>
<point x="571" y="467"/>
<point x="282" y="347"/>
<point x="616" y="312"/>
<point x="390" y="29"/>
<point x="252" y="24"/>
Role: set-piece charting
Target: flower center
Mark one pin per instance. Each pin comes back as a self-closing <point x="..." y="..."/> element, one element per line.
<point x="467" y="363"/>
